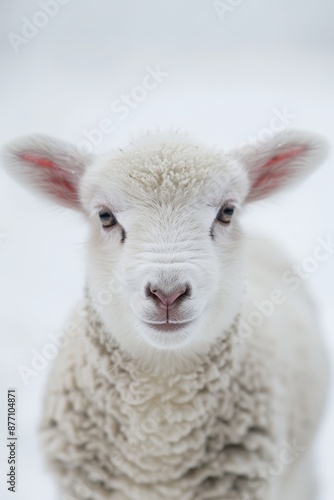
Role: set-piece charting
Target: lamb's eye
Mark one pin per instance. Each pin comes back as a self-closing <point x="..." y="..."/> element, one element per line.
<point x="225" y="213"/>
<point x="107" y="217"/>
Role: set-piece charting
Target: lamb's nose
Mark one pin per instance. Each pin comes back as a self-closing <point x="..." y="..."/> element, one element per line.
<point x="171" y="298"/>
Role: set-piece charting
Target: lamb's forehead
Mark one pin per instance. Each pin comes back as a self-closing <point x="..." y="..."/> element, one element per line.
<point x="168" y="169"/>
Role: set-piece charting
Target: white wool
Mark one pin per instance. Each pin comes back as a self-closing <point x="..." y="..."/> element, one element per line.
<point x="166" y="170"/>
<point x="205" y="433"/>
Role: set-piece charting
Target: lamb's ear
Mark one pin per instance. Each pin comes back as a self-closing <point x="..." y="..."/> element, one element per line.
<point x="48" y="165"/>
<point x="283" y="160"/>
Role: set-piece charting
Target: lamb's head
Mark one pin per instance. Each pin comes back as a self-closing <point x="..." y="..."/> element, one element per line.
<point x="166" y="248"/>
<point x="163" y="246"/>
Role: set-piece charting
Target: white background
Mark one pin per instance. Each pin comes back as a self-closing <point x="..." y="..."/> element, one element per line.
<point x="227" y="76"/>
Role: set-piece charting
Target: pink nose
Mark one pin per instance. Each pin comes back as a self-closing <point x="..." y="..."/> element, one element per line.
<point x="170" y="299"/>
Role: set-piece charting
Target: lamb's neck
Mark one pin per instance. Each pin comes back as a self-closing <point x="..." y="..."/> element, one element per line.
<point x="223" y="352"/>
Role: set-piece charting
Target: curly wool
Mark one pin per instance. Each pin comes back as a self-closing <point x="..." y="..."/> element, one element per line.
<point x="114" y="430"/>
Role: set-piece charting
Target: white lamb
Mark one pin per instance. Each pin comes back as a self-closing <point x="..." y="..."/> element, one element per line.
<point x="173" y="384"/>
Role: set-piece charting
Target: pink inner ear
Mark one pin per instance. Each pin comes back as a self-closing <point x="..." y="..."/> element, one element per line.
<point x="268" y="173"/>
<point x="56" y="175"/>
<point x="285" y="156"/>
<point x="39" y="161"/>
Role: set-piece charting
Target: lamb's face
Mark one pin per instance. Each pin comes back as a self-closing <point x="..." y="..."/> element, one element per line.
<point x="165" y="252"/>
<point x="166" y="248"/>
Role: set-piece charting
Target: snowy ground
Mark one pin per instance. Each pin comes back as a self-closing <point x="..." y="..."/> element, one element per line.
<point x="64" y="82"/>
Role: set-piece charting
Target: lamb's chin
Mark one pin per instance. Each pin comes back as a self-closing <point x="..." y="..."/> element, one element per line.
<point x="167" y="336"/>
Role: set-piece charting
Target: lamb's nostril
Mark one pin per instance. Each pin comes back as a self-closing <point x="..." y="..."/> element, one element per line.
<point x="168" y="299"/>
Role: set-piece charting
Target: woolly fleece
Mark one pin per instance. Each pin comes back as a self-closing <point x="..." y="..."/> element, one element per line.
<point x="114" y="430"/>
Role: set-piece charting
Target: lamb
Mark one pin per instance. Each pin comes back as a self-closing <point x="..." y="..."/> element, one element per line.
<point x="165" y="390"/>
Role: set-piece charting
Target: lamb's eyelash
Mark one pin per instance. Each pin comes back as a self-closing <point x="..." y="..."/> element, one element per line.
<point x="100" y="200"/>
<point x="219" y="198"/>
<point x="97" y="208"/>
<point x="216" y="206"/>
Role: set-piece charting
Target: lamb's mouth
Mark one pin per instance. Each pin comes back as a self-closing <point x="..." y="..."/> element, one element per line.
<point x="168" y="327"/>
